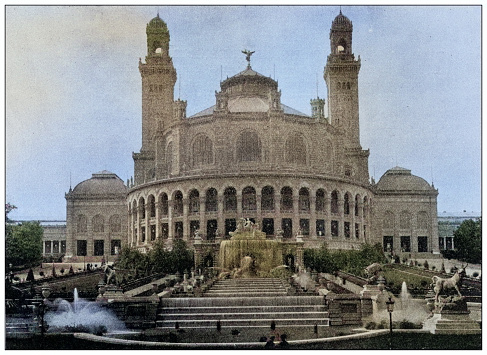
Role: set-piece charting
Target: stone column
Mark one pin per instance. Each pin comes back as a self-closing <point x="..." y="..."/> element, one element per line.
<point x="239" y="205"/>
<point x="170" y="207"/>
<point x="327" y="216"/>
<point x="202" y="215"/>
<point x="220" y="220"/>
<point x="185" y="219"/>
<point x="312" y="219"/>
<point x="258" y="218"/>
<point x="147" y="223"/>
<point x="295" y="215"/>
<point x="341" y="216"/>
<point x="158" y="220"/>
<point x="352" y="220"/>
<point x="277" y="213"/>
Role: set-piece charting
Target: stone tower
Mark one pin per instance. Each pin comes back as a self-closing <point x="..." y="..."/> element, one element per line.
<point x="158" y="111"/>
<point x="341" y="76"/>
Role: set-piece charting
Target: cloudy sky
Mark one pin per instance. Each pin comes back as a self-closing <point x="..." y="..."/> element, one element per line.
<point x="73" y="90"/>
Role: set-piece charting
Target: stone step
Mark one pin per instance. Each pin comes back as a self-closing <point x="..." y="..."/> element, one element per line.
<point x="261" y="322"/>
<point x="242" y="301"/>
<point x="243" y="309"/>
<point x="457" y="325"/>
<point x="245" y="294"/>
<point x="225" y="316"/>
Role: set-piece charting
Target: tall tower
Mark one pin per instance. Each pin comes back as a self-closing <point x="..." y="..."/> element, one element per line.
<point x="341" y="76"/>
<point x="158" y="80"/>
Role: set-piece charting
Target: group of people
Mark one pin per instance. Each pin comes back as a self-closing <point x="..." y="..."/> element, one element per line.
<point x="270" y="342"/>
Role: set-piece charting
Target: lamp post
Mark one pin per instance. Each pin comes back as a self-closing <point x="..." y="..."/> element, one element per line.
<point x="46" y="291"/>
<point x="390" y="309"/>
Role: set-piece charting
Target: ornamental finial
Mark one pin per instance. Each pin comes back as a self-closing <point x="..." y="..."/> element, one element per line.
<point x="248" y="54"/>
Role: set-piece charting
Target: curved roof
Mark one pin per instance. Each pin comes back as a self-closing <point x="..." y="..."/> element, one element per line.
<point x="157" y="22"/>
<point x="341" y="22"/>
<point x="400" y="179"/>
<point x="103" y="182"/>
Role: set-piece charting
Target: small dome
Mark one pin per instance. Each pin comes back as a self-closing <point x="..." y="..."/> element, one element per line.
<point x="103" y="182"/>
<point x="400" y="179"/>
<point x="157" y="22"/>
<point x="341" y="22"/>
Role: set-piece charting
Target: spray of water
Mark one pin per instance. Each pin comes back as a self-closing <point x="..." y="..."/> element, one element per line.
<point x="82" y="315"/>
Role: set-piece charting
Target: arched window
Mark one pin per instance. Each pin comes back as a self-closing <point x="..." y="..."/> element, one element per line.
<point x="178" y="203"/>
<point x="422" y="220"/>
<point x="164" y="204"/>
<point x="169" y="158"/>
<point x="346" y="204"/>
<point x="296" y="150"/>
<point x="202" y="151"/>
<point x="81" y="224"/>
<point x="286" y="199"/>
<point x="320" y="200"/>
<point x="194" y="201"/>
<point x="142" y="208"/>
<point x="388" y="220"/>
<point x="267" y="203"/>
<point x="152" y="206"/>
<point x="230" y="199"/>
<point x="248" y="147"/>
<point x="211" y="200"/>
<point x="115" y="224"/>
<point x="303" y="199"/>
<point x="357" y="202"/>
<point x="405" y="220"/>
<point x="98" y="223"/>
<point x="334" y="202"/>
<point x="249" y="202"/>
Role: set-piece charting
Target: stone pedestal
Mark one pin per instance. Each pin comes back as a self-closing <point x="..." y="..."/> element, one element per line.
<point x="450" y="315"/>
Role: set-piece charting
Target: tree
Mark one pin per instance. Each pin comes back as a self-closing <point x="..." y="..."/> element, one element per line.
<point x="23" y="244"/>
<point x="8" y="208"/>
<point x="468" y="241"/>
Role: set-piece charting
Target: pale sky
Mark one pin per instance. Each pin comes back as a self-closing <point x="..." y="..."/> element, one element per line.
<point x="73" y="90"/>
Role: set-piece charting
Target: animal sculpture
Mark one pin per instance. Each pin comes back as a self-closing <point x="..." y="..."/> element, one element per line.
<point x="440" y="284"/>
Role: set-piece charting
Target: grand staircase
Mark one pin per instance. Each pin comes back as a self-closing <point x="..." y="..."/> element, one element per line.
<point x="242" y="303"/>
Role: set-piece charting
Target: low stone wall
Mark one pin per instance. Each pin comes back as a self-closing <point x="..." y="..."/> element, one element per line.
<point x="347" y="309"/>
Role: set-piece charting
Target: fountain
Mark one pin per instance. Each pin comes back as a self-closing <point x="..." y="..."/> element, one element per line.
<point x="249" y="252"/>
<point x="82" y="316"/>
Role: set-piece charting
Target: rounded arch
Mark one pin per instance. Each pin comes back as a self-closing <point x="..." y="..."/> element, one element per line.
<point x="164" y="203"/>
<point x="82" y="223"/>
<point x="248" y="147"/>
<point x="286" y="199"/>
<point x="98" y="224"/>
<point x="115" y="223"/>
<point x="320" y="200"/>
<point x="304" y="199"/>
<point x="152" y="205"/>
<point x="202" y="151"/>
<point x="194" y="201"/>
<point x="296" y="150"/>
<point x="230" y="199"/>
<point x="267" y="202"/>
<point x="405" y="220"/>
<point x="334" y="202"/>
<point x="249" y="200"/>
<point x="422" y="220"/>
<point x="142" y="207"/>
<point x="357" y="204"/>
<point x="211" y="203"/>
<point x="346" y="203"/>
<point x="178" y="203"/>
<point x="388" y="220"/>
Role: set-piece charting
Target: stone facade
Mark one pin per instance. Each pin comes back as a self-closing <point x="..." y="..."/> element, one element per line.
<point x="251" y="156"/>
<point x="96" y="218"/>
<point x="53" y="239"/>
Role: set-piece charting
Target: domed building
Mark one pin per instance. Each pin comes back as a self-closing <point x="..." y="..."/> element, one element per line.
<point x="96" y="218"/>
<point x="248" y="155"/>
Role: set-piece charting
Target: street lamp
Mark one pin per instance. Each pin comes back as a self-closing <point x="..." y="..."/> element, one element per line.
<point x="390" y="309"/>
<point x="46" y="291"/>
